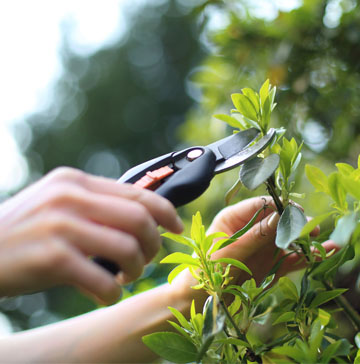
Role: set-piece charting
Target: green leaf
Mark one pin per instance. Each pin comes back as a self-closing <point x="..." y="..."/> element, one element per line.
<point x="324" y="317"/>
<point x="257" y="170"/>
<point x="177" y="270"/>
<point x="330" y="266"/>
<point x="339" y="348"/>
<point x="326" y="296"/>
<point x="317" y="178"/>
<point x="357" y="340"/>
<point x="344" y="229"/>
<point x="234" y="341"/>
<point x="288" y="288"/>
<point x="220" y="244"/>
<point x="181" y="318"/>
<point x="235" y="263"/>
<point x="171" y="346"/>
<point x="344" y="168"/>
<point x="180" y="329"/>
<point x="180" y="239"/>
<point x="208" y="241"/>
<point x="272" y="98"/>
<point x="235" y="306"/>
<point x="235" y="188"/>
<point x="316" y="336"/>
<point x="214" y="318"/>
<point x="198" y="323"/>
<point x="225" y="242"/>
<point x="250" y="123"/>
<point x="233" y="122"/>
<point x="244" y="106"/>
<point x="264" y="91"/>
<point x="267" y="281"/>
<point x="285" y="317"/>
<point x="293" y="352"/>
<point x="290" y="225"/>
<point x="313" y="223"/>
<point x="351" y="186"/>
<point x="192" y="309"/>
<point x="320" y="248"/>
<point x="253" y="97"/>
<point x="197" y="229"/>
<point x="181" y="258"/>
<point x="266" y="112"/>
<point x="337" y="191"/>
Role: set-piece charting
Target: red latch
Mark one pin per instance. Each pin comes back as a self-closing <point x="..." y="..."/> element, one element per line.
<point x="152" y="178"/>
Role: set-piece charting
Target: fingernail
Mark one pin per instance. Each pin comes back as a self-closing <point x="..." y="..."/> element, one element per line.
<point x="180" y="224"/>
<point x="273" y="220"/>
<point x="120" y="279"/>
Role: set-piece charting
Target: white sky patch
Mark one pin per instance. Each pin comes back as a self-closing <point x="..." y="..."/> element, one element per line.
<point x="269" y="9"/>
<point x="30" y="37"/>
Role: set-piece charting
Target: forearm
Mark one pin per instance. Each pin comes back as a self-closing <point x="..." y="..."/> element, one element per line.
<point x="111" y="334"/>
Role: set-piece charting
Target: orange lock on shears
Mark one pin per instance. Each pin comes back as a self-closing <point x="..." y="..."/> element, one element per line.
<point x="152" y="179"/>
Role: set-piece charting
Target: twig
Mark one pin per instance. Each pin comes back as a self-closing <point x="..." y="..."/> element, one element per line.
<point x="227" y="313"/>
<point x="270" y="184"/>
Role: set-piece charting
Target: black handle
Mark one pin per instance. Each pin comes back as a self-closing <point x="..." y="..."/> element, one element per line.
<point x="182" y="187"/>
<point x="190" y="181"/>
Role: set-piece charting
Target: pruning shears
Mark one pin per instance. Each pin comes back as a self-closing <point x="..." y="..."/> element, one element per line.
<point x="184" y="175"/>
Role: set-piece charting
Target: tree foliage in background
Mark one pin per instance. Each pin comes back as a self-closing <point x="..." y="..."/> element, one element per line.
<point x="263" y="322"/>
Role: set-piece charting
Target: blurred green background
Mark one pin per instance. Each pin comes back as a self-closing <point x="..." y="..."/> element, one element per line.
<point x="156" y="88"/>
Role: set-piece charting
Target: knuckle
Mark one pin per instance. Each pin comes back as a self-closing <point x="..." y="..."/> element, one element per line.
<point x="130" y="249"/>
<point x="67" y="174"/>
<point x="63" y="194"/>
<point x="153" y="248"/>
<point x="140" y="216"/>
<point x="56" y="255"/>
<point x="56" y="224"/>
<point x="165" y="206"/>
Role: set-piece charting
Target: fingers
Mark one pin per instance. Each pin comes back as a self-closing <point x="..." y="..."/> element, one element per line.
<point x="160" y="208"/>
<point x="124" y="207"/>
<point x="77" y="270"/>
<point x="125" y="216"/>
<point x="94" y="281"/>
<point x="44" y="263"/>
<point x="92" y="239"/>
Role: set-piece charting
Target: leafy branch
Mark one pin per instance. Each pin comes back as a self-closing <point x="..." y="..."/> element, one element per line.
<point x="222" y="332"/>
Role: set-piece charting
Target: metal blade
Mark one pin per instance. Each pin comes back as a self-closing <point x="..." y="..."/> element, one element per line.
<point x="233" y="144"/>
<point x="245" y="154"/>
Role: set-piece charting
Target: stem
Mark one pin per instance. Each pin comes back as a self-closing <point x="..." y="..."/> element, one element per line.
<point x="227" y="313"/>
<point x="233" y="345"/>
<point x="240" y="335"/>
<point x="343" y="303"/>
<point x="270" y="184"/>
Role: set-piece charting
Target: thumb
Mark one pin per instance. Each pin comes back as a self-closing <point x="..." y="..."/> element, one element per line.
<point x="259" y="240"/>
